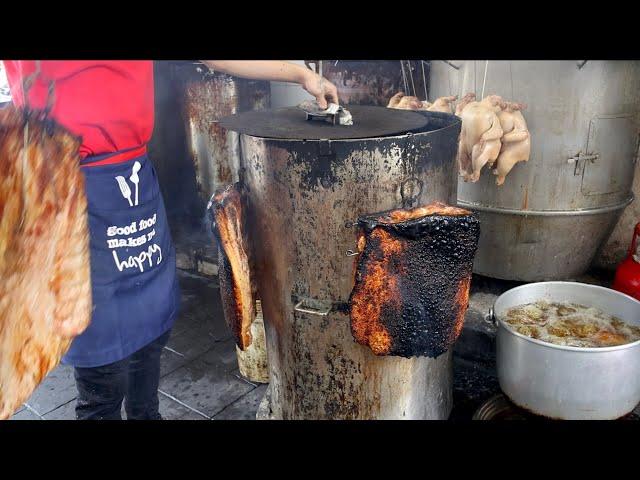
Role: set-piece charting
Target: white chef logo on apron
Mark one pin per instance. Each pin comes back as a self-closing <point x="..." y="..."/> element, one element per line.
<point x="124" y="186"/>
<point x="139" y="232"/>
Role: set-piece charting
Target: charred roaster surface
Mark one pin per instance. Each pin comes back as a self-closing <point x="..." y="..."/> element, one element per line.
<point x="412" y="279"/>
<point x="227" y="212"/>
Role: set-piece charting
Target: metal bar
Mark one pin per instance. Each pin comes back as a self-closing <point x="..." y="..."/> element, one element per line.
<point x="415" y="94"/>
<point x="451" y="64"/>
<point x="404" y="77"/>
<point x="546" y="213"/>
<point x="583" y="157"/>
<point x="321" y="313"/>
<point x="424" y="82"/>
<point x="484" y="80"/>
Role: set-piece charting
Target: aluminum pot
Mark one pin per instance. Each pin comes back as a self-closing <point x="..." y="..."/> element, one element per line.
<point x="561" y="382"/>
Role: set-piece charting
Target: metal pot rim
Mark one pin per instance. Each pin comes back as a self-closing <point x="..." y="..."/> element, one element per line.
<point x="507" y="327"/>
<point x="546" y="213"/>
<point x="346" y="140"/>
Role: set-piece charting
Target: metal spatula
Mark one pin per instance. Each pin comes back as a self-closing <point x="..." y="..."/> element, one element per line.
<point x="334" y="113"/>
<point x="124" y="188"/>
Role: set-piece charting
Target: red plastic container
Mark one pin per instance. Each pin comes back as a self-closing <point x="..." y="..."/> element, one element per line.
<point x="627" y="278"/>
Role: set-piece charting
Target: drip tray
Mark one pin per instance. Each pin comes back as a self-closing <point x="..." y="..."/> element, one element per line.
<point x="499" y="407"/>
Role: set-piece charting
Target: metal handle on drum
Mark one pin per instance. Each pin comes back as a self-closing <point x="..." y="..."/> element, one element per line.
<point x="581" y="159"/>
<point x="491" y="317"/>
<point x="592" y="157"/>
<point x="312" y="311"/>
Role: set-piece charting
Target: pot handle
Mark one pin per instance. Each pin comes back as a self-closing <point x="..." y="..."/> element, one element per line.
<point x="491" y="317"/>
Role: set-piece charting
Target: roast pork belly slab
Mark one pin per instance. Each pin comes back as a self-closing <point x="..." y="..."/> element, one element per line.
<point x="412" y="279"/>
<point x="228" y="213"/>
<point x="45" y="292"/>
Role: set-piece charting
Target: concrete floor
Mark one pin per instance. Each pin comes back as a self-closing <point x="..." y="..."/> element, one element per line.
<point x="199" y="370"/>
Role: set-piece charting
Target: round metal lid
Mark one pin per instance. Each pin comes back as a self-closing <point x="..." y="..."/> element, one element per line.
<point x="291" y="123"/>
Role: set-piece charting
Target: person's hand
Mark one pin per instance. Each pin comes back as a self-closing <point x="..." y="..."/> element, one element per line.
<point x="321" y="88"/>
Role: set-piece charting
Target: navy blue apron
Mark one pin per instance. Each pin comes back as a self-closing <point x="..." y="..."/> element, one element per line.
<point x="133" y="263"/>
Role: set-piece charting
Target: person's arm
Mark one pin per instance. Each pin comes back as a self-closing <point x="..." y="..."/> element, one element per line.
<point x="279" y="71"/>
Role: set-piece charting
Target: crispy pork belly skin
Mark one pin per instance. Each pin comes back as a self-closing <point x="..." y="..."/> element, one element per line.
<point x="227" y="212"/>
<point x="45" y="292"/>
<point x="412" y="279"/>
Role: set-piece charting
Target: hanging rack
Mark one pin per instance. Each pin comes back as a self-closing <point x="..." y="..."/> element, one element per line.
<point x="424" y="82"/>
<point x="415" y="94"/>
<point x="484" y="79"/>
<point x="404" y="77"/>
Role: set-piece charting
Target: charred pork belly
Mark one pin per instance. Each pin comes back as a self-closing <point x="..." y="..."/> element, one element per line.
<point x="412" y="279"/>
<point x="227" y="212"/>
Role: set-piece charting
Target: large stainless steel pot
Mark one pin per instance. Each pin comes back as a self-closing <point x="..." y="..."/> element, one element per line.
<point x="555" y="210"/>
<point x="563" y="382"/>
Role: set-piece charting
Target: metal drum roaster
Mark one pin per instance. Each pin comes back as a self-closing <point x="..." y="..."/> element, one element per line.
<point x="306" y="184"/>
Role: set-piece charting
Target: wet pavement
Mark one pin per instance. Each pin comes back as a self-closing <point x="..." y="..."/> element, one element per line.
<point x="200" y="379"/>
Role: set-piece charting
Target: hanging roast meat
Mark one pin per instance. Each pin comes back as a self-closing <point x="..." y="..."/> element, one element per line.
<point x="403" y="102"/>
<point x="45" y="290"/>
<point x="412" y="279"/>
<point x="228" y="214"/>
<point x="480" y="135"/>
<point x="494" y="132"/>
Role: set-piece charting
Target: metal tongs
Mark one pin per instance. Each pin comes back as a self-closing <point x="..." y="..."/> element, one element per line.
<point x="334" y="113"/>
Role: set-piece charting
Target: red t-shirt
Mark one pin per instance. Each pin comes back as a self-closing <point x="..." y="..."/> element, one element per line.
<point x="108" y="103"/>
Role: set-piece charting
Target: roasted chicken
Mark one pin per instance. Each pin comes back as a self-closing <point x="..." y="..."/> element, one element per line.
<point x="480" y="135"/>
<point x="493" y="132"/>
<point x="442" y="104"/>
<point x="402" y="102"/>
<point x="515" y="141"/>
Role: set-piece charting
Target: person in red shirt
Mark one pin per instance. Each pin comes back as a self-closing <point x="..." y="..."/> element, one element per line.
<point x="110" y="105"/>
